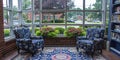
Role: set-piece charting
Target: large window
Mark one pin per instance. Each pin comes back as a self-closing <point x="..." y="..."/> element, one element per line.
<point x="54" y="13"/>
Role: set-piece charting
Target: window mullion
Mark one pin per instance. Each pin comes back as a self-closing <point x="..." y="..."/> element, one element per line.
<point x="104" y="6"/>
<point x="83" y="13"/>
<point x="33" y="18"/>
<point x="20" y="12"/>
<point x="11" y="17"/>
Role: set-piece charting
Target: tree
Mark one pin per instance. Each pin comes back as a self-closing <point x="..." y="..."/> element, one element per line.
<point x="96" y="6"/>
<point x="57" y="4"/>
<point x="26" y="4"/>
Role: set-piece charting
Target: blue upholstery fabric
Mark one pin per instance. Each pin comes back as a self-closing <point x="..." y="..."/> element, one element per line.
<point x="93" y="34"/>
<point x="24" y="41"/>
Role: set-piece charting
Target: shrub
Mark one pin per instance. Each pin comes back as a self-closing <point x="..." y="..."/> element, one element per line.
<point x="37" y="29"/>
<point x="61" y="30"/>
<point x="44" y="21"/>
<point x="57" y="31"/>
<point x="72" y="32"/>
<point x="6" y="32"/>
<point x="28" y="21"/>
<point x="59" y="21"/>
<point x="37" y="20"/>
<point x="52" y="34"/>
<point x="38" y="33"/>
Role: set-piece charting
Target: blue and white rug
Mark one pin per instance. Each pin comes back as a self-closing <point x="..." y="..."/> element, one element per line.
<point x="60" y="54"/>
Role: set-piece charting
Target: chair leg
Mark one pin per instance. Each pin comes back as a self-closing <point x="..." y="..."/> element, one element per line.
<point x="18" y="50"/>
<point x="33" y="53"/>
<point x="77" y="49"/>
<point x="100" y="51"/>
<point x="42" y="48"/>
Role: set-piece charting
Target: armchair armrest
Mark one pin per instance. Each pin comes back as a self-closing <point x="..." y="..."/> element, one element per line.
<point x="97" y="39"/>
<point x="81" y="38"/>
<point x="23" y="40"/>
<point x="36" y="37"/>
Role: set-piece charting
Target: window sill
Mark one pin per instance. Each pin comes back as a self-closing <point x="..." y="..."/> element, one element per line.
<point x="7" y="39"/>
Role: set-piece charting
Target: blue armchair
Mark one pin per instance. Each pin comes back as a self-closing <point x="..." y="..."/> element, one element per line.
<point x="24" y="41"/>
<point x="92" y="42"/>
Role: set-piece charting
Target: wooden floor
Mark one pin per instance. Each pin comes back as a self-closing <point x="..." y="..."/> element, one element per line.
<point x="110" y="56"/>
<point x="106" y="54"/>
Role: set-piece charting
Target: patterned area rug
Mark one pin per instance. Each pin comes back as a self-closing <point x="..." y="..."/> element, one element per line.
<point x="58" y="53"/>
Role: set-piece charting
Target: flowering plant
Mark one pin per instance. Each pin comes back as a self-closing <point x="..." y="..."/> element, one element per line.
<point x="49" y="32"/>
<point x="46" y="30"/>
<point x="72" y="32"/>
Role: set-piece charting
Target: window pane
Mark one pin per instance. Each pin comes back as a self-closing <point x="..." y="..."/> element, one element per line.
<point x="37" y="17"/>
<point x="26" y="5"/>
<point x="53" y="4"/>
<point x="27" y="17"/>
<point x="75" y="4"/>
<point x="15" y="18"/>
<point x="93" y="4"/>
<point x="37" y="4"/>
<point x="6" y="18"/>
<point x="4" y="3"/>
<point x="6" y="23"/>
<point x="93" y="18"/>
<point x="53" y="17"/>
<point x="75" y="17"/>
<point x="107" y="18"/>
<point x="15" y="4"/>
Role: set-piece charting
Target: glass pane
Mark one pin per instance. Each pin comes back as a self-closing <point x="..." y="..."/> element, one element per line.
<point x="75" y="17"/>
<point x="37" y="17"/>
<point x="93" y="4"/>
<point x="4" y="3"/>
<point x="6" y="18"/>
<point x="93" y="18"/>
<point x="37" y="4"/>
<point x="15" y="4"/>
<point x="15" y="18"/>
<point x="6" y="23"/>
<point x="75" y="4"/>
<point x="108" y="4"/>
<point x="53" y="17"/>
<point x="53" y="4"/>
<point x="26" y="5"/>
<point x="27" y="17"/>
<point x="107" y="18"/>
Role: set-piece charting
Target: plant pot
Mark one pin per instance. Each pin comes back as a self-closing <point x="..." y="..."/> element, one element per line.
<point x="60" y="41"/>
